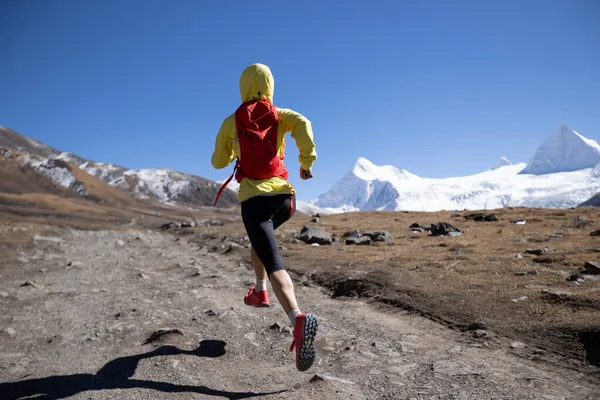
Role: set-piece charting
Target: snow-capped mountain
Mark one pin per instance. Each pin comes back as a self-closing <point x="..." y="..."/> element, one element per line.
<point x="592" y="202"/>
<point x="502" y="162"/>
<point x="371" y="187"/>
<point x="164" y="185"/>
<point x="564" y="151"/>
<point x="366" y="187"/>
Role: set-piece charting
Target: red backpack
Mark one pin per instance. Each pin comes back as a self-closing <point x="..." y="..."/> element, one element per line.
<point x="257" y="124"/>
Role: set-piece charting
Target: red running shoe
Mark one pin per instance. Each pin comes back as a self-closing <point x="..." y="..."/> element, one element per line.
<point x="257" y="299"/>
<point x="304" y="340"/>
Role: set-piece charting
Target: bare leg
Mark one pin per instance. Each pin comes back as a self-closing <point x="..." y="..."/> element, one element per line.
<point x="259" y="269"/>
<point x="280" y="282"/>
<point x="284" y="290"/>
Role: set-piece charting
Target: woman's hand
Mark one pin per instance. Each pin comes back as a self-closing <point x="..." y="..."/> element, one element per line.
<point x="305" y="174"/>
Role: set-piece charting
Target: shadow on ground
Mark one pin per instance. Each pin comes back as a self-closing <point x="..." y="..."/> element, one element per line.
<point x="116" y="374"/>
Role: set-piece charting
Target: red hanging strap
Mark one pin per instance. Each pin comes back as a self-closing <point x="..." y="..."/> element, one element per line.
<point x="237" y="164"/>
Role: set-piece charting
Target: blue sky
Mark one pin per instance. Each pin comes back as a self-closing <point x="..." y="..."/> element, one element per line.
<point x="436" y="87"/>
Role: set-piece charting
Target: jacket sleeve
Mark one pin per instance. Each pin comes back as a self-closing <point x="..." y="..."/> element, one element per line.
<point x="223" y="154"/>
<point x="301" y="131"/>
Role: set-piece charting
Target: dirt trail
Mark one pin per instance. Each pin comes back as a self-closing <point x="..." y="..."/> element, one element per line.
<point x="78" y="331"/>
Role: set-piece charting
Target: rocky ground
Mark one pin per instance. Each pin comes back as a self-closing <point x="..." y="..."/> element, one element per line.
<point x="78" y="310"/>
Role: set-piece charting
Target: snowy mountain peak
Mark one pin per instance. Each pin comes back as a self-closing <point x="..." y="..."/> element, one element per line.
<point x="502" y="162"/>
<point x="564" y="151"/>
<point x="366" y="170"/>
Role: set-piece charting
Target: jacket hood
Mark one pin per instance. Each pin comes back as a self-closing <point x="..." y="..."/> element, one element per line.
<point x="257" y="83"/>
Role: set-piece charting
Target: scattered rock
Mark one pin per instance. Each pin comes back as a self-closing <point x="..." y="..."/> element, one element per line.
<point x="188" y="224"/>
<point x="211" y="313"/>
<point x="592" y="268"/>
<point x="22" y="260"/>
<point x="315" y="234"/>
<point x="250" y="336"/>
<point x="364" y="240"/>
<point x="315" y="219"/>
<point x="3" y="295"/>
<point x="549" y="259"/>
<point x="556" y="236"/>
<point x="481" y="217"/>
<point x="379" y="236"/>
<point x="30" y="283"/>
<point x="444" y="229"/>
<point x="518" y="221"/>
<point x="162" y="332"/>
<point x="321" y="378"/>
<point x="595" y="233"/>
<point x="75" y="264"/>
<point x="47" y="239"/>
<point x="352" y="234"/>
<point x="143" y="276"/>
<point x="475" y="326"/>
<point x="517" y="345"/>
<point x="520" y="257"/>
<point x="43" y="270"/>
<point x="522" y="298"/>
<point x="538" y="252"/>
<point x="120" y="243"/>
<point x="169" y="225"/>
<point x="276" y="327"/>
<point x="575" y="277"/>
<point x="419" y="228"/>
<point x="521" y="273"/>
<point x="10" y="332"/>
<point x="479" y="333"/>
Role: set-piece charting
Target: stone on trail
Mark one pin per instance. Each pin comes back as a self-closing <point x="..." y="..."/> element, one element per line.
<point x="477" y="326"/>
<point x="522" y="273"/>
<point x="157" y="334"/>
<point x="30" y="283"/>
<point x="538" y="252"/>
<point x="315" y="234"/>
<point x="575" y="277"/>
<point x="592" y="268"/>
<point x="10" y="332"/>
<point x="322" y="377"/>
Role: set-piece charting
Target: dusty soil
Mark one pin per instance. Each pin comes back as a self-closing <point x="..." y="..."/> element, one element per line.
<point x="79" y="327"/>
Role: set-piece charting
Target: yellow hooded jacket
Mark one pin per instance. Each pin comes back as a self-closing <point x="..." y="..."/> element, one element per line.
<point x="257" y="83"/>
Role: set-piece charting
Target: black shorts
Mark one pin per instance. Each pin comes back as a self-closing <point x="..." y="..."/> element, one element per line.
<point x="261" y="216"/>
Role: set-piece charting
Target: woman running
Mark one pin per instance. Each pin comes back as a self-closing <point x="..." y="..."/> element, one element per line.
<point x="254" y="137"/>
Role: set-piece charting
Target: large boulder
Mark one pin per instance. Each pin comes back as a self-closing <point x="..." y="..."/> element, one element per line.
<point x="379" y="236"/>
<point x="315" y="234"/>
<point x="363" y="240"/>
<point x="352" y="234"/>
<point x="444" y="229"/>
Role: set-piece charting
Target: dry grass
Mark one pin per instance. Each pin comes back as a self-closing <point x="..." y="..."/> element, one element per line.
<point x="468" y="278"/>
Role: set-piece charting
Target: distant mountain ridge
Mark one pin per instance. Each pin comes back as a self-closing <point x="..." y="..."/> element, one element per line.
<point x="564" y="172"/>
<point x="159" y="184"/>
